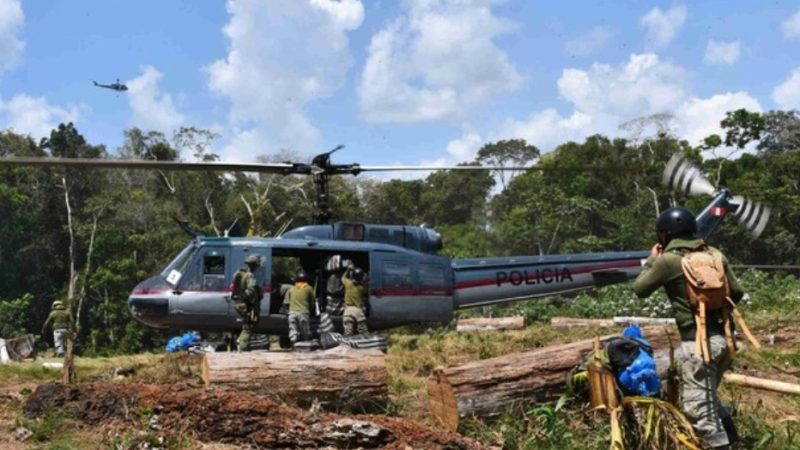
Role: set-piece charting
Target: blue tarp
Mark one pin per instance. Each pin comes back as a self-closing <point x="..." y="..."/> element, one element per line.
<point x="183" y="342"/>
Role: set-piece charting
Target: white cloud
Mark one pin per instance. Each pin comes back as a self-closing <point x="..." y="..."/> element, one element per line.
<point x="590" y="41"/>
<point x="700" y="117"/>
<point x="719" y="52"/>
<point x="34" y="115"/>
<point x="435" y="62"/>
<point x="642" y="86"/>
<point x="11" y="46"/>
<point x="791" y="26"/>
<point x="282" y="56"/>
<point x="465" y="148"/>
<point x="787" y="94"/>
<point x="663" y="26"/>
<point x="152" y="109"/>
<point x="547" y="129"/>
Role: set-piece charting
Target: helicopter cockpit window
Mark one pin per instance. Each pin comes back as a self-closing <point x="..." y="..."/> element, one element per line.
<point x="172" y="273"/>
<point x="214" y="271"/>
<point x="206" y="273"/>
<point x="397" y="274"/>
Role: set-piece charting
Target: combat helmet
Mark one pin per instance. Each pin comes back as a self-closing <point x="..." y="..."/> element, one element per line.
<point x="252" y="260"/>
<point x="675" y="222"/>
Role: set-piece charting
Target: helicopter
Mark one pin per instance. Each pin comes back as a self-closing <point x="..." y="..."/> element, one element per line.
<point x="409" y="281"/>
<point x="119" y="87"/>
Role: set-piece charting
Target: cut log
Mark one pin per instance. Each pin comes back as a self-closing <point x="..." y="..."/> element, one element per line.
<point x="341" y="377"/>
<point x="490" y="324"/>
<point x="488" y="387"/>
<point x="624" y="320"/>
<point x="762" y="383"/>
<point x="572" y="322"/>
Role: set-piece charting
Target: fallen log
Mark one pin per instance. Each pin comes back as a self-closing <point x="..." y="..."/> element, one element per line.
<point x="572" y="322"/>
<point x="762" y="383"/>
<point x="486" y="388"/>
<point x="491" y="324"/>
<point x="341" y="377"/>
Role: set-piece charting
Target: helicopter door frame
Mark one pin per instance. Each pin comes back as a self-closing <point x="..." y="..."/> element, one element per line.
<point x="197" y="298"/>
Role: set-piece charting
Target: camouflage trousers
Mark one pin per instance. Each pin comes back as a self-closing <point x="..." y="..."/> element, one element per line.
<point x="243" y="310"/>
<point x="354" y="320"/>
<point x="299" y="327"/>
<point x="699" y="383"/>
<point x="59" y="339"/>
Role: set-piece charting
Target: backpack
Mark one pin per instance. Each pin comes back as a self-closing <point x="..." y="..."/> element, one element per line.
<point x="707" y="290"/>
<point x="237" y="286"/>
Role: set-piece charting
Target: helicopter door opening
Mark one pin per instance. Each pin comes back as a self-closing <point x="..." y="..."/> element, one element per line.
<point x="324" y="268"/>
<point x="202" y="290"/>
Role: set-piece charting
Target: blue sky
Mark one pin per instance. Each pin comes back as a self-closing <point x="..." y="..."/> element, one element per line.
<point x="406" y="82"/>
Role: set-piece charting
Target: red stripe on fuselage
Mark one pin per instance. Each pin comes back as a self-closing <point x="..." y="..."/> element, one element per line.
<point x="576" y="271"/>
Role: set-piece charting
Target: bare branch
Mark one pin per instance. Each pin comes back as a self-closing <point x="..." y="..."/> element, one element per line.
<point x="210" y="210"/>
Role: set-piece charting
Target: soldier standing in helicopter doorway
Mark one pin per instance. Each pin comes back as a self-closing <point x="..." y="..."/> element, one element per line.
<point x="246" y="298"/>
<point x="301" y="299"/>
<point x="676" y="228"/>
<point x="61" y="320"/>
<point x="355" y="294"/>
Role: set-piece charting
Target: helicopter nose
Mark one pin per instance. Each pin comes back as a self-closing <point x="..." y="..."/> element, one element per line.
<point x="149" y="302"/>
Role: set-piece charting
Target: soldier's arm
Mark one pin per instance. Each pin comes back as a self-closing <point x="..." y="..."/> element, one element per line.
<point x="47" y="322"/>
<point x="251" y="286"/>
<point x="736" y="289"/>
<point x="651" y="278"/>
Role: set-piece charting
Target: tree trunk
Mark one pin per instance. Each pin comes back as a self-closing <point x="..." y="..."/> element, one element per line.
<point x="336" y="378"/>
<point x="485" y="388"/>
<point x="489" y="324"/>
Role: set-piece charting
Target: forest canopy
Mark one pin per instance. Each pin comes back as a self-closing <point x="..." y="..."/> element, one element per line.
<point x="93" y="234"/>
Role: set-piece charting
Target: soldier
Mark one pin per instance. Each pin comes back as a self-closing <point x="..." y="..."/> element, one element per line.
<point x="246" y="296"/>
<point x="355" y="294"/>
<point x="61" y="320"/>
<point x="301" y="297"/>
<point x="675" y="228"/>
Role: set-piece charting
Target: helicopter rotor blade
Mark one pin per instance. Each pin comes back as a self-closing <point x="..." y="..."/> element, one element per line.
<point x="279" y="168"/>
<point x="752" y="215"/>
<point x="680" y="175"/>
<point x="428" y="168"/>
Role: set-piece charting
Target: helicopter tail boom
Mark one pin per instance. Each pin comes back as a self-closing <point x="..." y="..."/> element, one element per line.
<point x="489" y="281"/>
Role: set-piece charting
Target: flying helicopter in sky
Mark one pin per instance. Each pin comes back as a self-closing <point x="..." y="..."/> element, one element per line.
<point x="409" y="281"/>
<point x="119" y="87"/>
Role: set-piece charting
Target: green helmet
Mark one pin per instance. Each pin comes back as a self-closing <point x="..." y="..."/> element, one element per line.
<point x="57" y="304"/>
<point x="252" y="259"/>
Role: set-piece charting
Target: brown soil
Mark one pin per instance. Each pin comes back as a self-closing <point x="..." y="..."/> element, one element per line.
<point x="231" y="417"/>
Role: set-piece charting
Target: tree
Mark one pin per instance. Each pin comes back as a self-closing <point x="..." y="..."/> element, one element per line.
<point x="507" y="153"/>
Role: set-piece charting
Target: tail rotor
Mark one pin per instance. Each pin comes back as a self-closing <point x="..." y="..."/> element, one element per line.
<point x="680" y="175"/>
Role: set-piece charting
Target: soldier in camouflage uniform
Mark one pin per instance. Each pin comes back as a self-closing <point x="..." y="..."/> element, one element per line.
<point x="301" y="297"/>
<point x="246" y="298"/>
<point x="355" y="294"/>
<point x="61" y="320"/>
<point x="699" y="380"/>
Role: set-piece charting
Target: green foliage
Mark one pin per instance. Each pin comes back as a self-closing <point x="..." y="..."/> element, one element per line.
<point x="15" y="316"/>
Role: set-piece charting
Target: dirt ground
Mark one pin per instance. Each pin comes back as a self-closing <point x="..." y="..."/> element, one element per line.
<point x="229" y="417"/>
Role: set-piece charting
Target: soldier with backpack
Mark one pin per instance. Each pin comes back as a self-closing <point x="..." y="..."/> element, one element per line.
<point x="703" y="292"/>
<point x="246" y="296"/>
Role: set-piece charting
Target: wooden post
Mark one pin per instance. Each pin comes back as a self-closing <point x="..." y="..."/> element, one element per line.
<point x="762" y="383"/>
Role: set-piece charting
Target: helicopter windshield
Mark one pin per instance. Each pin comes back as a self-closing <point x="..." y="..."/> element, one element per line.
<point x="172" y="273"/>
